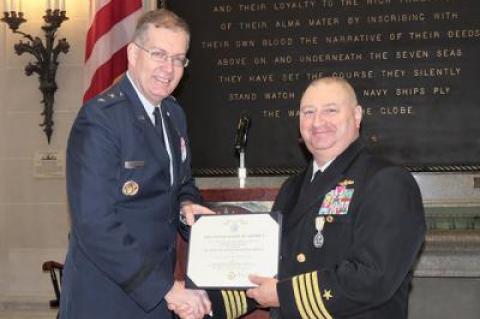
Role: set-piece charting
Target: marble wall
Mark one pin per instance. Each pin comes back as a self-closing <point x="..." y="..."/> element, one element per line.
<point x="33" y="211"/>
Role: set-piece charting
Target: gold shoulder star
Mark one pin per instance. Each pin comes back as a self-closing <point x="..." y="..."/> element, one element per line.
<point x="327" y="294"/>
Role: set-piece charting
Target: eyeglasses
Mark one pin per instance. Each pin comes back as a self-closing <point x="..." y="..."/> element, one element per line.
<point x="159" y="55"/>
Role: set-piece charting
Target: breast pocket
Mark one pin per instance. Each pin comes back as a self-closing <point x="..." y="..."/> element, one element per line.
<point x="338" y="233"/>
<point x="337" y="226"/>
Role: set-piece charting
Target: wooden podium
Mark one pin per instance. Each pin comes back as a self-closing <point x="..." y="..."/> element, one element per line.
<point x="230" y="200"/>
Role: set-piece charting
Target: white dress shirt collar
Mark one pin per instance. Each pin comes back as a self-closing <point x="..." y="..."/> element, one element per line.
<point x="316" y="168"/>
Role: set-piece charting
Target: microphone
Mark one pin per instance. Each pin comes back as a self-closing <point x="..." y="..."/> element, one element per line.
<point x="242" y="131"/>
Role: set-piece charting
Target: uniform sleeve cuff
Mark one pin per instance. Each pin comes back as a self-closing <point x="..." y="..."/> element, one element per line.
<point x="153" y="289"/>
<point x="300" y="297"/>
<point x="230" y="304"/>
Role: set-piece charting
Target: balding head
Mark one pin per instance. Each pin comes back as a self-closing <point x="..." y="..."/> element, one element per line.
<point x="329" y="118"/>
<point x="341" y="82"/>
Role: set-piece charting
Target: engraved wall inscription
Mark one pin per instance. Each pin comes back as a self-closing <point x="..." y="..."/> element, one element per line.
<point x="414" y="64"/>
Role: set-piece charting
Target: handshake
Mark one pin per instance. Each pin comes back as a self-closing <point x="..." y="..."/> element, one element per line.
<point x="195" y="304"/>
<point x="188" y="303"/>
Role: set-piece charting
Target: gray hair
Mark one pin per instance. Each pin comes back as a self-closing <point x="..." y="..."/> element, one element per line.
<point x="160" y="18"/>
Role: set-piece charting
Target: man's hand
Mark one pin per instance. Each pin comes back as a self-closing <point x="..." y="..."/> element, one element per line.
<point x="189" y="210"/>
<point x="266" y="292"/>
<point x="187" y="303"/>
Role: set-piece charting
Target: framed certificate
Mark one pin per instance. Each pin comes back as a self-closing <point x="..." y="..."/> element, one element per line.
<point x="225" y="249"/>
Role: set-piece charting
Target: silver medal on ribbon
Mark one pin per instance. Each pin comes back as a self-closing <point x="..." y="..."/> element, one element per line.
<point x="318" y="239"/>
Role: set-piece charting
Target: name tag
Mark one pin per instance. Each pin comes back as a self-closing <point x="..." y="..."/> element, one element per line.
<point x="134" y="164"/>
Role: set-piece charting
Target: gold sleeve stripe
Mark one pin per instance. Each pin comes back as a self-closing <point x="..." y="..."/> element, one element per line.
<point x="238" y="303"/>
<point x="311" y="297"/>
<point x="226" y="303"/>
<point x="233" y="308"/>
<point x="298" y="300"/>
<point x="304" y="297"/>
<point x="244" y="302"/>
<point x="318" y="295"/>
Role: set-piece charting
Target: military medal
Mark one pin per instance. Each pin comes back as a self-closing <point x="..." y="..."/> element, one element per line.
<point x="318" y="239"/>
<point x="337" y="201"/>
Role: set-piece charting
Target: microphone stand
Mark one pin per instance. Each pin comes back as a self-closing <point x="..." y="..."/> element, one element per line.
<point x="240" y="145"/>
<point x="242" y="171"/>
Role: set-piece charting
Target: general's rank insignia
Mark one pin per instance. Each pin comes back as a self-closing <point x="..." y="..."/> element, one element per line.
<point x="183" y="149"/>
<point x="130" y="188"/>
<point x="337" y="200"/>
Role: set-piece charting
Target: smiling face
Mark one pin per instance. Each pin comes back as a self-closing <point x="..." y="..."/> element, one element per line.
<point x="329" y="118"/>
<point x="157" y="80"/>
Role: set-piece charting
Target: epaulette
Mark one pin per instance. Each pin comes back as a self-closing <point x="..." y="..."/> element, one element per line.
<point x="110" y="97"/>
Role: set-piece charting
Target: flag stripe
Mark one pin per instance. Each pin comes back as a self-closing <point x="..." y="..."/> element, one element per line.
<point x="108" y="16"/>
<point x="116" y="39"/>
<point x="112" y="26"/>
<point x="96" y="5"/>
<point x="105" y="75"/>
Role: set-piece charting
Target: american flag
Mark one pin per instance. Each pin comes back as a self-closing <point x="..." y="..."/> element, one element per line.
<point x="111" y="27"/>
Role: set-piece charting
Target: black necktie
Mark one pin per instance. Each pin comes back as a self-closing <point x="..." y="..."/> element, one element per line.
<point x="158" y="124"/>
<point x="310" y="183"/>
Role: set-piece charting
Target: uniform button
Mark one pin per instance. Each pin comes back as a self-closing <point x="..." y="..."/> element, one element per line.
<point x="301" y="258"/>
<point x="281" y="257"/>
<point x="170" y="221"/>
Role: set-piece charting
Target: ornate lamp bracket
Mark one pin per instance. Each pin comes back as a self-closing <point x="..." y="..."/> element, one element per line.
<point x="46" y="57"/>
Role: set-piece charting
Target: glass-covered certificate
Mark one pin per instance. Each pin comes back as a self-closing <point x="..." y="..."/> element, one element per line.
<point x="225" y="249"/>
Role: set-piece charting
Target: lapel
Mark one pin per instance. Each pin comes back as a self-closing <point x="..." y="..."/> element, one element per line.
<point x="142" y="121"/>
<point x="295" y="191"/>
<point x="313" y="195"/>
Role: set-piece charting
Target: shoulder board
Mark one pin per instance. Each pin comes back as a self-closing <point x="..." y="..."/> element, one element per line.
<point x="110" y="97"/>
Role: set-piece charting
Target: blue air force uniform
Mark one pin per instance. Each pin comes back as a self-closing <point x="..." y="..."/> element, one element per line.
<point x="124" y="207"/>
<point x="349" y="241"/>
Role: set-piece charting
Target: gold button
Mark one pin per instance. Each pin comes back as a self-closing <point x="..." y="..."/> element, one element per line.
<point x="301" y="258"/>
<point x="330" y="219"/>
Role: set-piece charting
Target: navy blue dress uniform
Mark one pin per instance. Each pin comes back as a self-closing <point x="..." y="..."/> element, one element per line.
<point x="349" y="240"/>
<point x="124" y="207"/>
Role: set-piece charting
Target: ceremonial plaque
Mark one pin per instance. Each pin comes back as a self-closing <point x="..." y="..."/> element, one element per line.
<point x="413" y="63"/>
<point x="225" y="249"/>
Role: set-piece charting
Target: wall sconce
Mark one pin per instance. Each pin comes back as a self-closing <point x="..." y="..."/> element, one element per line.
<point x="46" y="54"/>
